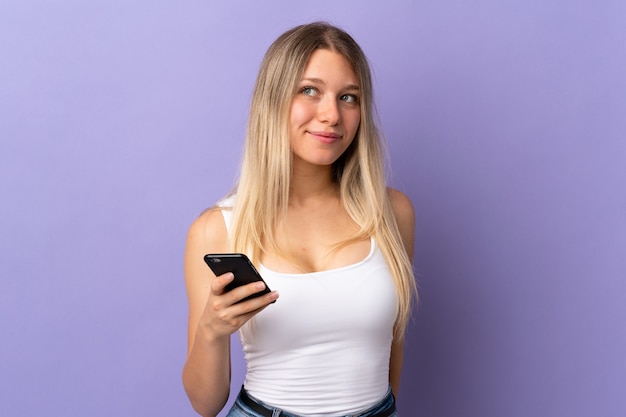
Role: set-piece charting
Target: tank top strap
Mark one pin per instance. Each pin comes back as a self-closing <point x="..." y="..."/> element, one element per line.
<point x="227" y="214"/>
<point x="226" y="207"/>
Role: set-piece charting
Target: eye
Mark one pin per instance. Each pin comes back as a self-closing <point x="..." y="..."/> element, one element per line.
<point x="349" y="98"/>
<point x="309" y="91"/>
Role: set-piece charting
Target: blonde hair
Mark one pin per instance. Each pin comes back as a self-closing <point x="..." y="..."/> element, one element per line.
<point x="263" y="187"/>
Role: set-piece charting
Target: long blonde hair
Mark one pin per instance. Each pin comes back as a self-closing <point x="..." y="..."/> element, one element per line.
<point x="263" y="187"/>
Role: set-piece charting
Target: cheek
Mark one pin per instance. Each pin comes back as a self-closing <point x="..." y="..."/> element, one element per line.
<point x="355" y="121"/>
<point x="298" y="114"/>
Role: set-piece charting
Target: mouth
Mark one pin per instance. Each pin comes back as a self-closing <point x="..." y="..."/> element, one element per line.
<point x="325" y="137"/>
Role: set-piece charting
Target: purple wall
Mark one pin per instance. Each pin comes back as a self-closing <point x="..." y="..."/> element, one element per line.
<point x="121" y="120"/>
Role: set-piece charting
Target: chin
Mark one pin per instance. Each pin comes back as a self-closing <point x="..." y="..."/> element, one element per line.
<point x="322" y="162"/>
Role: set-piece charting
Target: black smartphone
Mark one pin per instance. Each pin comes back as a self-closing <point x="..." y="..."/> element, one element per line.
<point x="241" y="267"/>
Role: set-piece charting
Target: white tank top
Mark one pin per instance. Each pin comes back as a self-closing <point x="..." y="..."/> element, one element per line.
<point x="323" y="348"/>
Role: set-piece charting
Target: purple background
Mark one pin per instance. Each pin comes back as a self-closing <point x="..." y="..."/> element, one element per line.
<point x="121" y="120"/>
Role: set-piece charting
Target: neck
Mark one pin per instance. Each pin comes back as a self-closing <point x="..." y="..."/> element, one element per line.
<point x="310" y="184"/>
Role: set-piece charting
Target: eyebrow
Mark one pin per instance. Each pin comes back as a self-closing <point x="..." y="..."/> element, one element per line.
<point x="351" y="87"/>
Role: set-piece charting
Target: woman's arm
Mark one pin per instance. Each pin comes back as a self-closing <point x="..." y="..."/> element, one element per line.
<point x="405" y="217"/>
<point x="213" y="316"/>
<point x="395" y="366"/>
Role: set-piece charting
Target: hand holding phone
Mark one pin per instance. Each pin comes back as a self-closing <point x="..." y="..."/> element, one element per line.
<point x="241" y="267"/>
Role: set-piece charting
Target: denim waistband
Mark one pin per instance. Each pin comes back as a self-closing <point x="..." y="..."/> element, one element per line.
<point x="384" y="408"/>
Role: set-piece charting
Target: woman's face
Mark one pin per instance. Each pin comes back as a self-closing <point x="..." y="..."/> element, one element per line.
<point x="325" y="112"/>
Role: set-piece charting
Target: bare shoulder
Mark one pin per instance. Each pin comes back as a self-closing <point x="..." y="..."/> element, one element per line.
<point x="402" y="207"/>
<point x="208" y="230"/>
<point x="207" y="234"/>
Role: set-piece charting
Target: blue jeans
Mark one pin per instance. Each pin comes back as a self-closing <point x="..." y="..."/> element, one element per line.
<point x="239" y="409"/>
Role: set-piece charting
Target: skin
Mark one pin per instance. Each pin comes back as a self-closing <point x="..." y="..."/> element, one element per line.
<point x="325" y="114"/>
<point x="324" y="118"/>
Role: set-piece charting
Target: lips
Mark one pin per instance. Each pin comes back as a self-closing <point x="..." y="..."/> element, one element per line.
<point x="325" y="137"/>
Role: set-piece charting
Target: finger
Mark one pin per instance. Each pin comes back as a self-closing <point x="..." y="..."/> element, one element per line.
<point x="220" y="282"/>
<point x="239" y="293"/>
<point x="240" y="313"/>
<point x="253" y="304"/>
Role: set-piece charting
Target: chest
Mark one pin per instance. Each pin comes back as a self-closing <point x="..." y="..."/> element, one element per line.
<point x="316" y="240"/>
<point x="355" y="304"/>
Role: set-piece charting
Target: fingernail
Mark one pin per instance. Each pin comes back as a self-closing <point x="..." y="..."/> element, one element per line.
<point x="260" y="285"/>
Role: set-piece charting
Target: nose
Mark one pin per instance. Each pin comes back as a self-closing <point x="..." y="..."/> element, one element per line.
<point x="328" y="111"/>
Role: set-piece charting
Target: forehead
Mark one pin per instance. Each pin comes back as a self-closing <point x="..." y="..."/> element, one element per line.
<point x="327" y="64"/>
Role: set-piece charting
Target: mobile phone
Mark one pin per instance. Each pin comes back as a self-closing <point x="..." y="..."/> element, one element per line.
<point x="241" y="267"/>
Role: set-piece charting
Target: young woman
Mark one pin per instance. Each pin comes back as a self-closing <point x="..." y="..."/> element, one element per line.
<point x="313" y="212"/>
